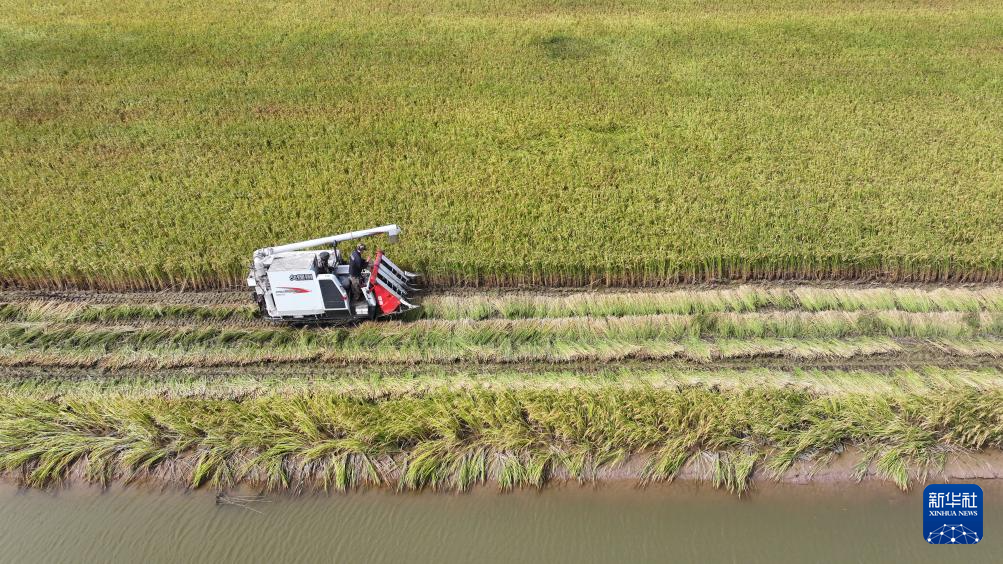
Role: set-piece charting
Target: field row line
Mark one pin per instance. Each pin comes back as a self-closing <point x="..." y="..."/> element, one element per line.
<point x="695" y="351"/>
<point x="423" y="381"/>
<point x="685" y="302"/>
<point x="514" y="333"/>
<point x="528" y="305"/>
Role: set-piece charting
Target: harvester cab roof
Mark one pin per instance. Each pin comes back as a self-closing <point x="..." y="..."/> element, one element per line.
<point x="296" y="284"/>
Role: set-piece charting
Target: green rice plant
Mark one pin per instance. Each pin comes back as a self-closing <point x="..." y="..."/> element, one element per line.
<point x="991" y="299"/>
<point x="641" y="168"/>
<point x="970" y="347"/>
<point x="955" y="300"/>
<point x="743" y="299"/>
<point x="917" y="301"/>
<point x="374" y="383"/>
<point x="511" y="335"/>
<point x="521" y="305"/>
<point x="77" y="312"/>
<point x="516" y="437"/>
<point x="708" y="336"/>
<point x="131" y="349"/>
<point x="733" y="471"/>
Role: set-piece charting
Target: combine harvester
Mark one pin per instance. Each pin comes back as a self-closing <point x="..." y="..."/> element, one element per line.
<point x="296" y="285"/>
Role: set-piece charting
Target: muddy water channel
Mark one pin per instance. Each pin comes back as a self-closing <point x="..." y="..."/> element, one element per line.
<point x="682" y="523"/>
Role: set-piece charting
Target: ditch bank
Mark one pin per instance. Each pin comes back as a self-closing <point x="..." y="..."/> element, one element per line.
<point x="851" y="468"/>
<point x="441" y="437"/>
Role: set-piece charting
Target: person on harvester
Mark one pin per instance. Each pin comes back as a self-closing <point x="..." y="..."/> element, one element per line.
<point x="355" y="265"/>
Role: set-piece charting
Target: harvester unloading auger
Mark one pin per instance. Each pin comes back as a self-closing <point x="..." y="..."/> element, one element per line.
<point x="298" y="285"/>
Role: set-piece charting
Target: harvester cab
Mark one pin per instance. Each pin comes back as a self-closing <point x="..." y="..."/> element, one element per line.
<point x="293" y="283"/>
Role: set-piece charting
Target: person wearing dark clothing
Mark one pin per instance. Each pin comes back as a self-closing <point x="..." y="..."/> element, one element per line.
<point x="355" y="265"/>
<point x="356" y="262"/>
<point x="321" y="263"/>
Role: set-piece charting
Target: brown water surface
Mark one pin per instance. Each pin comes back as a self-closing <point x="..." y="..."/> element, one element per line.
<point x="680" y="523"/>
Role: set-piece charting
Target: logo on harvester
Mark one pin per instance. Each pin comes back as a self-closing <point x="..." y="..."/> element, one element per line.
<point x="291" y="290"/>
<point x="300" y="277"/>
<point x="952" y="514"/>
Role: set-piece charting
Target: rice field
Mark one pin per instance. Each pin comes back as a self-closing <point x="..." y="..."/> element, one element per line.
<point x="379" y="383"/>
<point x="234" y="307"/>
<point x="455" y="438"/>
<point x="148" y="145"/>
<point x="512" y="389"/>
<point x="526" y="145"/>
<point x="746" y="325"/>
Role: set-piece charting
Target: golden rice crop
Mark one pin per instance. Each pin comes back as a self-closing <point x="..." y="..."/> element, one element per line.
<point x="454" y="439"/>
<point x="374" y="383"/>
<point x="482" y="305"/>
<point x="157" y="144"/>
<point x="506" y="334"/>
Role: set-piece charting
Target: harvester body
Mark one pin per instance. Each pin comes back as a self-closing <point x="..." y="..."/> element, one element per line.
<point x="295" y="284"/>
